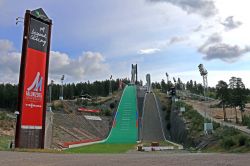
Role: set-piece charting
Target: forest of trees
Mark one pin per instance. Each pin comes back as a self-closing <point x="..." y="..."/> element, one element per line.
<point x="233" y="95"/>
<point x="9" y="92"/>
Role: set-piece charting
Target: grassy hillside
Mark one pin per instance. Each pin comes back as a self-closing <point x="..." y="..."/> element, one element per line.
<point x="224" y="139"/>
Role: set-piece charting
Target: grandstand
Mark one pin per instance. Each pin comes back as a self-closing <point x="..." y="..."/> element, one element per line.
<point x="71" y="129"/>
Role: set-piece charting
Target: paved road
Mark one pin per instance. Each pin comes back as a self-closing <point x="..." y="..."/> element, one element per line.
<point x="151" y="124"/>
<point x="133" y="159"/>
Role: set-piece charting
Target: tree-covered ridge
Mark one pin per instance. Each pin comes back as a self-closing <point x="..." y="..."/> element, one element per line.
<point x="9" y="92"/>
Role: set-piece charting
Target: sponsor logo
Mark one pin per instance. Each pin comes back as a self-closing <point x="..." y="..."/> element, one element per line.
<point x="34" y="91"/>
<point x="40" y="37"/>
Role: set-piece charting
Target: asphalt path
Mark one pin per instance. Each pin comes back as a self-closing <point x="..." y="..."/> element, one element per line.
<point x="132" y="159"/>
<point x="151" y="123"/>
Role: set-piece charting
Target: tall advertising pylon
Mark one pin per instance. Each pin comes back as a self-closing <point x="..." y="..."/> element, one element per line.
<point x="33" y="78"/>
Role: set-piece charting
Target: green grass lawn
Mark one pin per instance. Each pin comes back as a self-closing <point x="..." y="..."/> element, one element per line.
<point x="102" y="148"/>
<point x="4" y="142"/>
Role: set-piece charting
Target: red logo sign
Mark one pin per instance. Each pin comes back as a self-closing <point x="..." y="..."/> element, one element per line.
<point x="33" y="96"/>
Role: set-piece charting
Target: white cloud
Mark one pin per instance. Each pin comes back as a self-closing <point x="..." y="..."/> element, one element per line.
<point x="9" y="62"/>
<point x="230" y="23"/>
<point x="213" y="48"/>
<point x="205" y="8"/>
<point x="88" y="66"/>
<point x="148" y="51"/>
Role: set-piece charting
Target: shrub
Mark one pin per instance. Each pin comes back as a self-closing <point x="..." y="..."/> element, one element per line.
<point x="216" y="125"/>
<point x="248" y="143"/>
<point x="245" y="120"/>
<point x="107" y="112"/>
<point x="164" y="108"/>
<point x="3" y="115"/>
<point x="112" y="105"/>
<point x="167" y="117"/>
<point x="228" y="142"/>
<point x="168" y="126"/>
<point x="229" y="131"/>
<point x="242" y="140"/>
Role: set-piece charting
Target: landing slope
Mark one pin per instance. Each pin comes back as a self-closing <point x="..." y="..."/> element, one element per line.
<point x="151" y="123"/>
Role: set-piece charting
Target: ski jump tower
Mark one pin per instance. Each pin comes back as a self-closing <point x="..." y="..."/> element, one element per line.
<point x="148" y="83"/>
<point x="134" y="74"/>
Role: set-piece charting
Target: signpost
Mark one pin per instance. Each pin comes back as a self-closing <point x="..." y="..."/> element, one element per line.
<point x="30" y="127"/>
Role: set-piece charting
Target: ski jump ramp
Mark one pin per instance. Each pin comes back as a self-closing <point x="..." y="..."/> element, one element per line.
<point x="125" y="124"/>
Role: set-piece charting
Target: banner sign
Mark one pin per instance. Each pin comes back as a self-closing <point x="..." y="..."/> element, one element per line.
<point x="35" y="74"/>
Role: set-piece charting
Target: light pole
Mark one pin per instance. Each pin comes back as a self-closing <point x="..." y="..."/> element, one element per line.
<point x="50" y="90"/>
<point x="110" y="86"/>
<point x="204" y="73"/>
<point x="61" y="97"/>
<point x="174" y="81"/>
<point x="167" y="77"/>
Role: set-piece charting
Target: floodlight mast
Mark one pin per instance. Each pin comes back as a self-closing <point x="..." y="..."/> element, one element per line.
<point x="62" y="79"/>
<point x="167" y="77"/>
<point x="204" y="73"/>
<point x="110" y="86"/>
<point x="174" y="81"/>
<point x="50" y="90"/>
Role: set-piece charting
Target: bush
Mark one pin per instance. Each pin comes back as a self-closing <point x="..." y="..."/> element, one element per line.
<point x="107" y="112"/>
<point x="228" y="142"/>
<point x="242" y="140"/>
<point x="228" y="132"/>
<point x="3" y="115"/>
<point x="112" y="105"/>
<point x="168" y="126"/>
<point x="248" y="143"/>
<point x="216" y="125"/>
<point x="164" y="108"/>
<point x="246" y="121"/>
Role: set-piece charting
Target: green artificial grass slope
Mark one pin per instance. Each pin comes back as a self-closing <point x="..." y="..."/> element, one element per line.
<point x="124" y="129"/>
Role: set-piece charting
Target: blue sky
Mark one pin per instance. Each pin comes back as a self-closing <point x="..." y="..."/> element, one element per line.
<point x="93" y="39"/>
